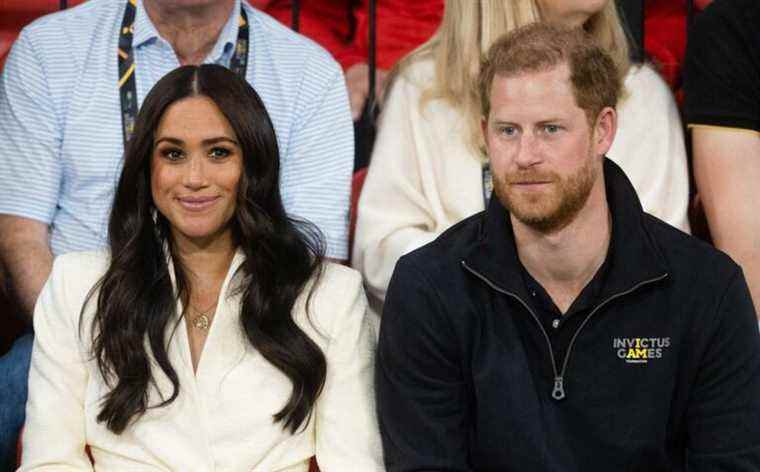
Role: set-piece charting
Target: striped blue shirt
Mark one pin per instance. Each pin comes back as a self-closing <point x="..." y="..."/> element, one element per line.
<point x="60" y="124"/>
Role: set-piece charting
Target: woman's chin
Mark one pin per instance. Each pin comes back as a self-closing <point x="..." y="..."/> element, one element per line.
<point x="201" y="235"/>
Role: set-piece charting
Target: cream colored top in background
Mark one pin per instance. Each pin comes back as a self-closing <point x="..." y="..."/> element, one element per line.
<point x="222" y="418"/>
<point x="424" y="177"/>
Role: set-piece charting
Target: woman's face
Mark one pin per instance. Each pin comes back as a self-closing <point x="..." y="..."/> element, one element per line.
<point x="195" y="170"/>
<point x="570" y="12"/>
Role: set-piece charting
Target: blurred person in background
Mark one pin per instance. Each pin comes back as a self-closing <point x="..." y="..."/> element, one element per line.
<point x="722" y="109"/>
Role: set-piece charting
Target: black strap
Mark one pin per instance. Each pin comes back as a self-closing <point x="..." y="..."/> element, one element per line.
<point x="364" y="128"/>
<point x="689" y="15"/>
<point x="126" y="61"/>
<point x="295" y="16"/>
<point x="372" y="54"/>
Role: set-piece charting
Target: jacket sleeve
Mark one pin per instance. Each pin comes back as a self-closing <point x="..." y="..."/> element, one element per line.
<point x="54" y="433"/>
<point x="347" y="436"/>
<point x="724" y="410"/>
<point x="399" y="178"/>
<point x="422" y="397"/>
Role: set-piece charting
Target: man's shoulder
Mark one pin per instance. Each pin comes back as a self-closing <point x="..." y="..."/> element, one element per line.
<point x="85" y="20"/>
<point x="61" y="42"/>
<point x="687" y="254"/>
<point x="285" y="45"/>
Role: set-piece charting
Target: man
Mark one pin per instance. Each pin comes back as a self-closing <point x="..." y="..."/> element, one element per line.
<point x="564" y="329"/>
<point x="71" y="89"/>
<point x="722" y="107"/>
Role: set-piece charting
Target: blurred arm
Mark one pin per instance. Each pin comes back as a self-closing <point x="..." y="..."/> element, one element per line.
<point x="727" y="172"/>
<point x="26" y="257"/>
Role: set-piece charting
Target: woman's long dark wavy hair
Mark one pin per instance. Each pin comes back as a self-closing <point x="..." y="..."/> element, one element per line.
<point x="136" y="300"/>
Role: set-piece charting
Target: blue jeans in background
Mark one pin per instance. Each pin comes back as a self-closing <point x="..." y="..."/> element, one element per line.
<point x="14" y="374"/>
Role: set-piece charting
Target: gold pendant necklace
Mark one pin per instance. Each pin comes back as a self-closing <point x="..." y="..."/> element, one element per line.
<point x="202" y="321"/>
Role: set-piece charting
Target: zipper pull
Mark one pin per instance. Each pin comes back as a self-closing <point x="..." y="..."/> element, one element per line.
<point x="559" y="388"/>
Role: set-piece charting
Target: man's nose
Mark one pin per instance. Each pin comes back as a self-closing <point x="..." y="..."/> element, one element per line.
<point x="528" y="153"/>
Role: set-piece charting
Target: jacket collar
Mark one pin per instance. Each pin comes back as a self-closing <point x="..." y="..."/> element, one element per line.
<point x="635" y="257"/>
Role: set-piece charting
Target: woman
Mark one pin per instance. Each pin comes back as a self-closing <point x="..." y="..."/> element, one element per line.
<point x="428" y="165"/>
<point x="210" y="335"/>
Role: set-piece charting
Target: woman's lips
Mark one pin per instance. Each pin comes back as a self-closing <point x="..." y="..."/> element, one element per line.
<point x="197" y="203"/>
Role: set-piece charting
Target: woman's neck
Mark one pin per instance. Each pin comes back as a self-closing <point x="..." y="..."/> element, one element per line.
<point x="191" y="31"/>
<point x="205" y="263"/>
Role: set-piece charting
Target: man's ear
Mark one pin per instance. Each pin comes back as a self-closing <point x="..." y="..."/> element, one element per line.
<point x="605" y="129"/>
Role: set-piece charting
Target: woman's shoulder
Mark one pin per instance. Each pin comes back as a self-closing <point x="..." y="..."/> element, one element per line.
<point x="82" y="265"/>
<point x="417" y="74"/>
<point x="643" y="81"/>
<point x="69" y="287"/>
<point x="76" y="273"/>
<point x="336" y="279"/>
<point x="331" y="300"/>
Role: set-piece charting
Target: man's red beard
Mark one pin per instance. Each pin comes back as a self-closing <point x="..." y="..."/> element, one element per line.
<point x="547" y="209"/>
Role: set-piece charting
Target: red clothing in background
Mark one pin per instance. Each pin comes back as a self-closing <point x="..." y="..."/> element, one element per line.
<point x="665" y="36"/>
<point x="342" y="26"/>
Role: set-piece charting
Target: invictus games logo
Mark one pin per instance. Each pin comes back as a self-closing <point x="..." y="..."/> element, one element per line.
<point x="640" y="350"/>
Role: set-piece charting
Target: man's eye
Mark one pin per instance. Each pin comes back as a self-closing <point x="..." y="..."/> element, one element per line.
<point x="509" y="130"/>
<point x="219" y="153"/>
<point x="551" y="129"/>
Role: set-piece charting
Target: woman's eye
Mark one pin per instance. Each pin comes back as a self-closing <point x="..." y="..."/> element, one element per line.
<point x="509" y="130"/>
<point x="172" y="154"/>
<point x="219" y="153"/>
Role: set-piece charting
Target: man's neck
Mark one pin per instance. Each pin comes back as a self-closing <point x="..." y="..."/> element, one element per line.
<point x="564" y="261"/>
<point x="191" y="31"/>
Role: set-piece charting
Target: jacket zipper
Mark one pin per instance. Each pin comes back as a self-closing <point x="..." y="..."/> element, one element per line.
<point x="558" y="392"/>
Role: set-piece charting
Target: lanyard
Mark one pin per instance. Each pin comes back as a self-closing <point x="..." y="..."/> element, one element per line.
<point x="487" y="183"/>
<point x="127" y="85"/>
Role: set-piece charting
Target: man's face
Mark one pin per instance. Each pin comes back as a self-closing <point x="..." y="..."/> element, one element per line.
<point x="545" y="157"/>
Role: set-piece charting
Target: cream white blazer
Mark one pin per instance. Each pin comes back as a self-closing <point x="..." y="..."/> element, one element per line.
<point x="222" y="418"/>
